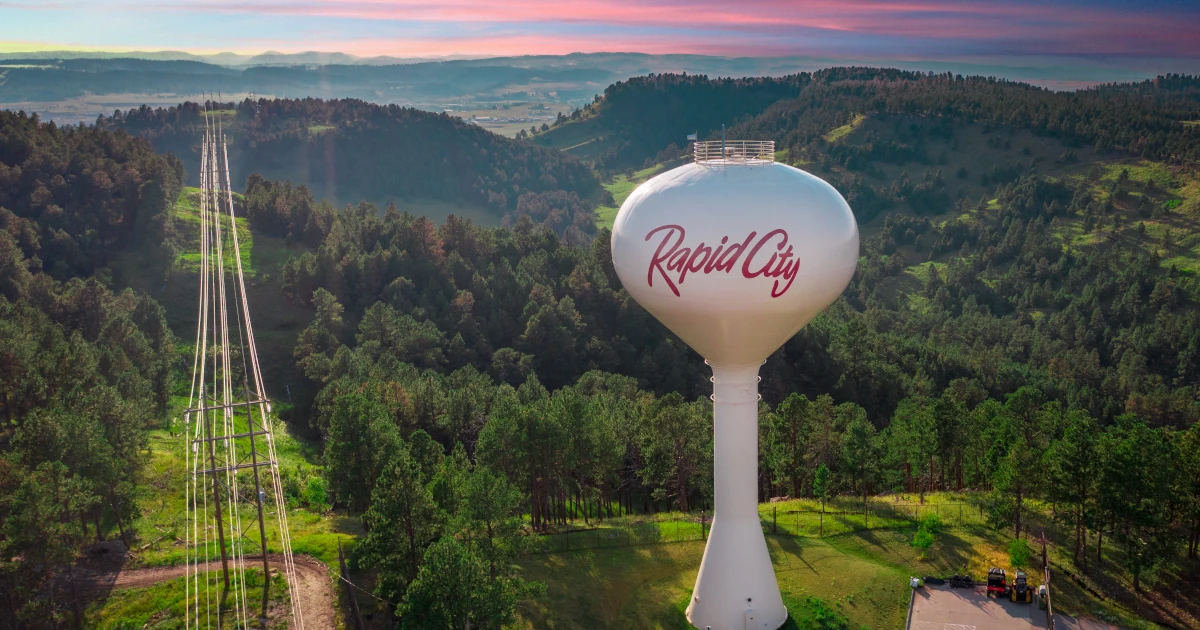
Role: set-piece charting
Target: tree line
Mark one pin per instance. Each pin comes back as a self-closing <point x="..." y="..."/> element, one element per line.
<point x="84" y="371"/>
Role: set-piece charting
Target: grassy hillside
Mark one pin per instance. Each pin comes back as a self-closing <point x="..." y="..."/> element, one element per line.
<point x="583" y="138"/>
<point x="277" y="322"/>
<point x="1157" y="208"/>
<point x="620" y="186"/>
<point x="314" y="528"/>
<point x="160" y="528"/>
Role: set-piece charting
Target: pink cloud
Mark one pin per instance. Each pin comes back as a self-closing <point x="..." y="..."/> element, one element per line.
<point x="754" y="27"/>
<point x="1079" y="29"/>
<point x="504" y="45"/>
<point x="847" y="15"/>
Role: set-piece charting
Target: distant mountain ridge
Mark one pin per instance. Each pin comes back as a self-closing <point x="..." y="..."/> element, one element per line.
<point x="228" y="59"/>
<point x="1058" y="71"/>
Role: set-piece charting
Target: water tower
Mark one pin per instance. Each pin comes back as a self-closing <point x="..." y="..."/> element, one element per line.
<point x="735" y="253"/>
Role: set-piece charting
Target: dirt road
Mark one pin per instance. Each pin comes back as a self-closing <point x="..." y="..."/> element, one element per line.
<point x="314" y="589"/>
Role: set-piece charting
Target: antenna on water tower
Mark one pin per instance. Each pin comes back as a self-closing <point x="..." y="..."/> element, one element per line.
<point x="735" y="253"/>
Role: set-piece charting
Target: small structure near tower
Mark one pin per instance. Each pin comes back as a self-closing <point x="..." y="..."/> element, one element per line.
<point x="735" y="253"/>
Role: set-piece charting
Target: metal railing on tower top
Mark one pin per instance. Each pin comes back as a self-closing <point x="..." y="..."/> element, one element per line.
<point x="722" y="152"/>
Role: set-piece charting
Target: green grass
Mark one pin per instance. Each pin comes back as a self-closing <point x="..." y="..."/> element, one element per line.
<point x="606" y="216"/>
<point x="838" y="133"/>
<point x="621" y="186"/>
<point x="862" y="576"/>
<point x="649" y="587"/>
<point x="187" y="217"/>
<point x="1140" y="171"/>
<point x="921" y="271"/>
<point x="1174" y="201"/>
<point x="582" y="138"/>
<point x="134" y="608"/>
<point x="163" y="520"/>
<point x="161" y="606"/>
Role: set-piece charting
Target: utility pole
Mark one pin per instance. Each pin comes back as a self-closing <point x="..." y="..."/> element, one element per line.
<point x="258" y="500"/>
<point x="1046" y="581"/>
<point x="212" y="462"/>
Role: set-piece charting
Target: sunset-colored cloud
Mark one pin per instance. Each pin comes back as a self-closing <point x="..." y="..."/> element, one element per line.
<point x="928" y="28"/>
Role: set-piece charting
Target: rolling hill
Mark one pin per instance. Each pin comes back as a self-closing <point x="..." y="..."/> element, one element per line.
<point x="350" y="150"/>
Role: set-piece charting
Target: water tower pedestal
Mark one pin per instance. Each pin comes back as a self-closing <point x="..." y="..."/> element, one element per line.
<point x="736" y="587"/>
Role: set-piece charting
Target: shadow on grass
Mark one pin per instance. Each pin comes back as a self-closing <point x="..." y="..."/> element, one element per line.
<point x="350" y="525"/>
<point x="791" y="545"/>
<point x="953" y="554"/>
<point x="626" y="586"/>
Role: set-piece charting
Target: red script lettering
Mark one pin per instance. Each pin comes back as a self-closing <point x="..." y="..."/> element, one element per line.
<point x="673" y="261"/>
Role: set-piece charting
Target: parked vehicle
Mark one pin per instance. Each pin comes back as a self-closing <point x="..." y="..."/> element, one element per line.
<point x="996" y="584"/>
<point x="1019" y="591"/>
<point x="962" y="581"/>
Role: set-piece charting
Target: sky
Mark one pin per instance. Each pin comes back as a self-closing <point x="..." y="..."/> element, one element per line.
<point x="1125" y="31"/>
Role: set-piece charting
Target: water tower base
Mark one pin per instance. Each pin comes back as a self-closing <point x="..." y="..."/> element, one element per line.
<point x="736" y="587"/>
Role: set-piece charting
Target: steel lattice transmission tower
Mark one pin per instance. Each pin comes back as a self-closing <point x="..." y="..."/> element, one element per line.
<point x="232" y="468"/>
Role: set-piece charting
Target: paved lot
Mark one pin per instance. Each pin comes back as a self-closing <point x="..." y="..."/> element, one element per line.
<point x="945" y="608"/>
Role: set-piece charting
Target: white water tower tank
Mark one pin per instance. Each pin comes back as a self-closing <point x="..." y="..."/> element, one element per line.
<point x="735" y="253"/>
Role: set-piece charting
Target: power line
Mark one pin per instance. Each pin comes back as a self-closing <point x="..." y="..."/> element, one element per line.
<point x="222" y="442"/>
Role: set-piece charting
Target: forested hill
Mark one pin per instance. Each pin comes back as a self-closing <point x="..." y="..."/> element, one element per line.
<point x="637" y="119"/>
<point x="84" y="371"/>
<point x="1147" y="119"/>
<point x="80" y="195"/>
<point x="350" y="150"/>
<point x="1150" y="125"/>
